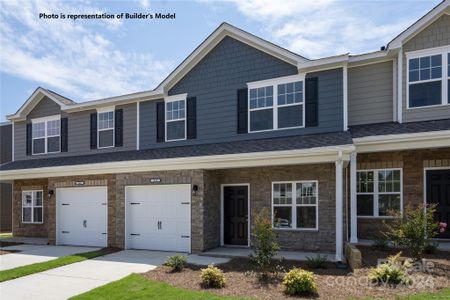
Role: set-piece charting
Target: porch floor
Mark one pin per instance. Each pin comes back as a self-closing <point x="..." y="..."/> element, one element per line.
<point x="245" y="252"/>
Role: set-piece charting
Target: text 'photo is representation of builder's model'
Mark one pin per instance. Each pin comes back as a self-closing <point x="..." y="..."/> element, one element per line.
<point x="330" y="146"/>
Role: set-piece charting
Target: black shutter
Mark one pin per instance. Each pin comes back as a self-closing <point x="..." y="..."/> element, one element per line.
<point x="118" y="128"/>
<point x="94" y="131"/>
<point x="160" y="126"/>
<point x="191" y="117"/>
<point x="64" y="135"/>
<point x="29" y="138"/>
<point x="242" y="109"/>
<point x="312" y="102"/>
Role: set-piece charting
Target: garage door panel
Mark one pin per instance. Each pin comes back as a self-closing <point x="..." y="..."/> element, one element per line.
<point x="158" y="217"/>
<point x="82" y="216"/>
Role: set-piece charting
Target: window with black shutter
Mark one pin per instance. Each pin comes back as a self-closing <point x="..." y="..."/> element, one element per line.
<point x="312" y="102"/>
<point x="242" y="109"/>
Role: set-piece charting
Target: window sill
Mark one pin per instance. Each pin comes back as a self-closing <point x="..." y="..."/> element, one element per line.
<point x="33" y="223"/>
<point x="46" y="153"/>
<point x="106" y="147"/>
<point x="277" y="129"/>
<point x="379" y="217"/>
<point x="428" y="106"/>
<point x="296" y="229"/>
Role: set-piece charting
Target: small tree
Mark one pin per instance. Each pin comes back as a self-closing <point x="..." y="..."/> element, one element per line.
<point x="265" y="243"/>
<point x="415" y="230"/>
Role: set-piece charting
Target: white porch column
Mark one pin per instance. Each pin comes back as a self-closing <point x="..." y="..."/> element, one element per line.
<point x="353" y="205"/>
<point x="339" y="209"/>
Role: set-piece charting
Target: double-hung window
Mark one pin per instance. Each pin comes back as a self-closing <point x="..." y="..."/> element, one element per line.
<point x="428" y="77"/>
<point x="276" y="104"/>
<point x="32" y="207"/>
<point x="46" y="135"/>
<point x="379" y="192"/>
<point x="175" y="118"/>
<point x="105" y="129"/>
<point x="295" y="205"/>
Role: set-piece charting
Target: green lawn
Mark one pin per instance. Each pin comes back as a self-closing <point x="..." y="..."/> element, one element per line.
<point x="5" y="235"/>
<point x="51" y="264"/>
<point x="443" y="294"/>
<point x="136" y="286"/>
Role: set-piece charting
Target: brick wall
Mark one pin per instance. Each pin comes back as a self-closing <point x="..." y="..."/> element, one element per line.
<point x="413" y="164"/>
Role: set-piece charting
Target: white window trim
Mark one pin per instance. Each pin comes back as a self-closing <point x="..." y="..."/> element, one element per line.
<point x="174" y="98"/>
<point x="274" y="82"/>
<point x="33" y="206"/>
<point x="101" y="111"/>
<point x="294" y="205"/>
<point x="376" y="193"/>
<point x="46" y="136"/>
<point x="443" y="51"/>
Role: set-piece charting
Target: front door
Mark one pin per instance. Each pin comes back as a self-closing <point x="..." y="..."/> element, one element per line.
<point x="438" y="192"/>
<point x="235" y="215"/>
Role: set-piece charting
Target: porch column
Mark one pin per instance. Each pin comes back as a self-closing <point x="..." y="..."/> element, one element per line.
<point x="353" y="205"/>
<point x="339" y="209"/>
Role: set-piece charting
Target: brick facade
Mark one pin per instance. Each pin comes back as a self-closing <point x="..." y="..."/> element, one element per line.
<point x="413" y="164"/>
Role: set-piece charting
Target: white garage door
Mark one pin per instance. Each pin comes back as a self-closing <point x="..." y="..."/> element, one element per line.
<point x="81" y="216"/>
<point x="158" y="217"/>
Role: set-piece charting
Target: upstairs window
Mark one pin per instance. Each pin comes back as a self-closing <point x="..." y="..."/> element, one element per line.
<point x="175" y="120"/>
<point x="428" y="78"/>
<point x="105" y="129"/>
<point x="46" y="135"/>
<point x="32" y="207"/>
<point x="379" y="192"/>
<point x="276" y="104"/>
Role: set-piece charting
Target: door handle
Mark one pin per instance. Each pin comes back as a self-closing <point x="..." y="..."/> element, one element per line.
<point x="160" y="224"/>
<point x="85" y="223"/>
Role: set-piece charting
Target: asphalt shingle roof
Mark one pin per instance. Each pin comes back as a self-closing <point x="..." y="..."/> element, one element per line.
<point x="237" y="147"/>
<point x="360" y="131"/>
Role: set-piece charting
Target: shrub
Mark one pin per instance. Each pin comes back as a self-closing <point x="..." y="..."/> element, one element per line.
<point x="380" y="243"/>
<point x="176" y="262"/>
<point x="298" y="282"/>
<point x="266" y="246"/>
<point x="318" y="262"/>
<point x="415" y="230"/>
<point x="431" y="247"/>
<point x="394" y="271"/>
<point x="212" y="277"/>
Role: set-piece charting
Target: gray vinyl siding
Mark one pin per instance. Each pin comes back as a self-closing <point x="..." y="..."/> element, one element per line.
<point x="5" y="143"/>
<point x="435" y="35"/>
<point x="79" y="134"/>
<point x="215" y="81"/>
<point x="370" y="94"/>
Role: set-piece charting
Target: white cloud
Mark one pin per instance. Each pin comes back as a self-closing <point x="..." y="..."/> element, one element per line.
<point x="144" y="4"/>
<point x="75" y="57"/>
<point x="324" y="27"/>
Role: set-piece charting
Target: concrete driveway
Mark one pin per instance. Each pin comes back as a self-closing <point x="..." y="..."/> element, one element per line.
<point x="74" y="279"/>
<point x="30" y="254"/>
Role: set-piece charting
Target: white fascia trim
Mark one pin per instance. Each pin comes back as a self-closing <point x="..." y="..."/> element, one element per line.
<point x="273" y="158"/>
<point x="276" y="80"/>
<point x="392" y="142"/>
<point x="46" y="119"/>
<point x="423" y="22"/>
<point x="400" y="86"/>
<point x="324" y="63"/>
<point x="427" y="52"/>
<point x="31" y="102"/>
<point x="345" y="96"/>
<point x="119" y="100"/>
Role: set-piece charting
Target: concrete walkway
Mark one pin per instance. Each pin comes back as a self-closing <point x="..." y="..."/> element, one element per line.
<point x="74" y="279"/>
<point x="30" y="254"/>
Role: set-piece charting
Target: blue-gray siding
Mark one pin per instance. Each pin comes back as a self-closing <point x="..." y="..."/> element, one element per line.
<point x="79" y="131"/>
<point x="215" y="81"/>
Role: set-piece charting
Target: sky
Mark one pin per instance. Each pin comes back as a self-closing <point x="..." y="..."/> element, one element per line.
<point x="93" y="59"/>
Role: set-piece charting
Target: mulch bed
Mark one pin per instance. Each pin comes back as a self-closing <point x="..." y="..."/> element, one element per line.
<point x="332" y="283"/>
<point x="3" y="252"/>
<point x="7" y="244"/>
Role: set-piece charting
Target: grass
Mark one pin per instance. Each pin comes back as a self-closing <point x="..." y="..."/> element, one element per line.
<point x="5" y="235"/>
<point x="441" y="295"/>
<point x="51" y="264"/>
<point x="136" y="286"/>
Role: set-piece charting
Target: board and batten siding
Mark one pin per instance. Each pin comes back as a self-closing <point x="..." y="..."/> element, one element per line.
<point x="78" y="131"/>
<point x="370" y="94"/>
<point x="436" y="34"/>
<point x="215" y="81"/>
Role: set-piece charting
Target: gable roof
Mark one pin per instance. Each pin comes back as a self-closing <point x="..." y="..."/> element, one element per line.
<point x="439" y="10"/>
<point x="214" y="38"/>
<point x="35" y="98"/>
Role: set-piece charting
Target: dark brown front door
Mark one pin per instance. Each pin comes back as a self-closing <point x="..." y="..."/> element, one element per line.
<point x="438" y="192"/>
<point x="235" y="215"/>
